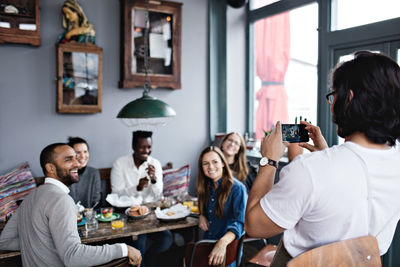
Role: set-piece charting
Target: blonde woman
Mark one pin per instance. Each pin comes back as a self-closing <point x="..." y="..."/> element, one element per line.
<point x="234" y="149"/>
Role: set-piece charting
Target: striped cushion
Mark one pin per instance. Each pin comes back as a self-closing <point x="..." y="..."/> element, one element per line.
<point x="14" y="186"/>
<point x="176" y="181"/>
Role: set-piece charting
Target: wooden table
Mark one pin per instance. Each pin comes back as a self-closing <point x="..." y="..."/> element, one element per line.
<point x="133" y="228"/>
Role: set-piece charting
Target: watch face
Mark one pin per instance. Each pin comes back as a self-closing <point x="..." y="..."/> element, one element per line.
<point x="263" y="161"/>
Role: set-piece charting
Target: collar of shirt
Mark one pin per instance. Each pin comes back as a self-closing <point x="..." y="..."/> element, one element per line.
<point x="57" y="183"/>
<point x="211" y="184"/>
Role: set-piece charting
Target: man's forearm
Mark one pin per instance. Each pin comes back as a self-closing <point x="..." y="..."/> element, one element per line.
<point x="263" y="183"/>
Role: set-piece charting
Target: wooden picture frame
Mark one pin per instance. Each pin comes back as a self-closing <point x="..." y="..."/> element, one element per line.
<point x="20" y="22"/>
<point x="79" y="78"/>
<point x="164" y="44"/>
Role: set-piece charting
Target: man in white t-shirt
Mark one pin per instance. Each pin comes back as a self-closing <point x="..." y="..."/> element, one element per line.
<point x="345" y="191"/>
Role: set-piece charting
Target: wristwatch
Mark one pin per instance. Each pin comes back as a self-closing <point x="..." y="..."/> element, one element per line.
<point x="266" y="161"/>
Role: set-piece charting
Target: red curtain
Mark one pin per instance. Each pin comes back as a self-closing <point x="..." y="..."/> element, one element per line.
<point x="272" y="59"/>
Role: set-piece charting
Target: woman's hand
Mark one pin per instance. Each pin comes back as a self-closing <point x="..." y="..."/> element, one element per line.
<point x="203" y="223"/>
<point x="217" y="255"/>
<point x="315" y="135"/>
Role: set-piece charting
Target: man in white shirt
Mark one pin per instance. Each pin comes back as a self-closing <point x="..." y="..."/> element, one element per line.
<point x="44" y="226"/>
<point x="345" y="191"/>
<point x="139" y="175"/>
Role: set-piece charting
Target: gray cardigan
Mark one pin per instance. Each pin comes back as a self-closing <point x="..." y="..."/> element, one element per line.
<point x="44" y="229"/>
<point x="88" y="189"/>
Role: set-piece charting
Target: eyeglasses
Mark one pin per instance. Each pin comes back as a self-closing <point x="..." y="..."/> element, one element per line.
<point x="330" y="97"/>
<point x="233" y="142"/>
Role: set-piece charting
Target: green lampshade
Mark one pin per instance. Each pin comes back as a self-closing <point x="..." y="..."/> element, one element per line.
<point x="146" y="111"/>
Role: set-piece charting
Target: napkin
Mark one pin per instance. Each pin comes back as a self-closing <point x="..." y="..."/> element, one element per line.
<point x="123" y="201"/>
<point x="179" y="210"/>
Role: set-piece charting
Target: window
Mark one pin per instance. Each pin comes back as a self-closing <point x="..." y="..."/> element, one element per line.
<point x="351" y="13"/>
<point x="285" y="52"/>
<point x="260" y="3"/>
<point x="303" y="77"/>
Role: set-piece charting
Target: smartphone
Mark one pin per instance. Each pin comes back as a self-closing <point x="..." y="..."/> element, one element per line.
<point x="294" y="133"/>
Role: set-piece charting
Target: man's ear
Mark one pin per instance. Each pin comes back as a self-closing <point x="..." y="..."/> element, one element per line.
<point x="50" y="168"/>
<point x="351" y="95"/>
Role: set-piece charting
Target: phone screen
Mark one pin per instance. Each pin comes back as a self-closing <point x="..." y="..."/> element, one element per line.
<point x="294" y="133"/>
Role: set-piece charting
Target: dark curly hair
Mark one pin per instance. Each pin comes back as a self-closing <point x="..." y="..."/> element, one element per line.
<point x="374" y="108"/>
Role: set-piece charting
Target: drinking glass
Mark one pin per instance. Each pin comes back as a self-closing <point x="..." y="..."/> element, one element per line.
<point x="91" y="220"/>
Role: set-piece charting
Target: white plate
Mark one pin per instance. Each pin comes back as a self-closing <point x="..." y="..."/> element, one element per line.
<point x="136" y="217"/>
<point x="180" y="212"/>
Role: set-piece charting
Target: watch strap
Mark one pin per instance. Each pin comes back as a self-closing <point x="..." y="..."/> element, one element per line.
<point x="266" y="161"/>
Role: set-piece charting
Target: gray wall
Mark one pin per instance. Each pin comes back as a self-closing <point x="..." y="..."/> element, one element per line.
<point x="28" y="120"/>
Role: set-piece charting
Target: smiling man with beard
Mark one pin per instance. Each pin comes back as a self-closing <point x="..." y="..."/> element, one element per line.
<point x="44" y="226"/>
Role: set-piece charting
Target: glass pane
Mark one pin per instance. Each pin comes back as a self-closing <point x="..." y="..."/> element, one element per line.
<point x="159" y="42"/>
<point x="352" y="13"/>
<point x="254" y="4"/>
<point x="398" y="56"/>
<point x="286" y="56"/>
<point x="80" y="78"/>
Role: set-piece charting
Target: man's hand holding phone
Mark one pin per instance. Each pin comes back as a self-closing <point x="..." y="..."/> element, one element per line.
<point x="272" y="146"/>
<point x="316" y="136"/>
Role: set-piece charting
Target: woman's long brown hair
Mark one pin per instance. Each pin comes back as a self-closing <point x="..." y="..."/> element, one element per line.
<point x="224" y="188"/>
<point x="239" y="168"/>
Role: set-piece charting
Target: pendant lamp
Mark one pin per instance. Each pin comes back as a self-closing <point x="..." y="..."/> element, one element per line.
<point x="146" y="112"/>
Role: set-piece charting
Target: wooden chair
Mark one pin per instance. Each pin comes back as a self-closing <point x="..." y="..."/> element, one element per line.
<point x="121" y="262"/>
<point x="196" y="254"/>
<point x="355" y="252"/>
<point x="263" y="257"/>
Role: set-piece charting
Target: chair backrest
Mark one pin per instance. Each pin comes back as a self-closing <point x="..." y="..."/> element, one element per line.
<point x="355" y="252"/>
<point x="196" y="254"/>
<point x="121" y="262"/>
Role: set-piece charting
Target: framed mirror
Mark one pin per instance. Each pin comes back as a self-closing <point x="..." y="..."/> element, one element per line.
<point x="164" y="43"/>
<point x="79" y="78"/>
<point x="20" y="22"/>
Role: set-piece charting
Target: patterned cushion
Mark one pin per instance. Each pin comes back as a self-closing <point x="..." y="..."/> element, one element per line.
<point x="14" y="186"/>
<point x="176" y="181"/>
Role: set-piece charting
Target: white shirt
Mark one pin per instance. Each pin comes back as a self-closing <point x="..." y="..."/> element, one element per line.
<point x="64" y="188"/>
<point x="125" y="178"/>
<point x="322" y="197"/>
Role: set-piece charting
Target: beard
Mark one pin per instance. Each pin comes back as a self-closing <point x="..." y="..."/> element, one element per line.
<point x="66" y="177"/>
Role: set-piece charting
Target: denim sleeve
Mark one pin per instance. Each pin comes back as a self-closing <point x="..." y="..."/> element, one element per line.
<point x="239" y="200"/>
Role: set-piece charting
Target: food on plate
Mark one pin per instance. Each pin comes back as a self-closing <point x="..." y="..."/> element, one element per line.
<point x="116" y="224"/>
<point x="79" y="217"/>
<point x="195" y="209"/>
<point x="107" y="212"/>
<point x="170" y="213"/>
<point x="138" y="210"/>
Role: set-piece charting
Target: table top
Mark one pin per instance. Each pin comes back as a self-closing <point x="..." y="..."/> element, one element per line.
<point x="149" y="224"/>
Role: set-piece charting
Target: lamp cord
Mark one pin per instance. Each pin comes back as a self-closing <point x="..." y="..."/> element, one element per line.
<point x="146" y="51"/>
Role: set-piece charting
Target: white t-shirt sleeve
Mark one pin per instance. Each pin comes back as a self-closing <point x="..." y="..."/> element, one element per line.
<point x="289" y="199"/>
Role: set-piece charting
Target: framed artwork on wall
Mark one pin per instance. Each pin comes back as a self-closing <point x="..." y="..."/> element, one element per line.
<point x="20" y="22"/>
<point x="79" y="78"/>
<point x="164" y="44"/>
